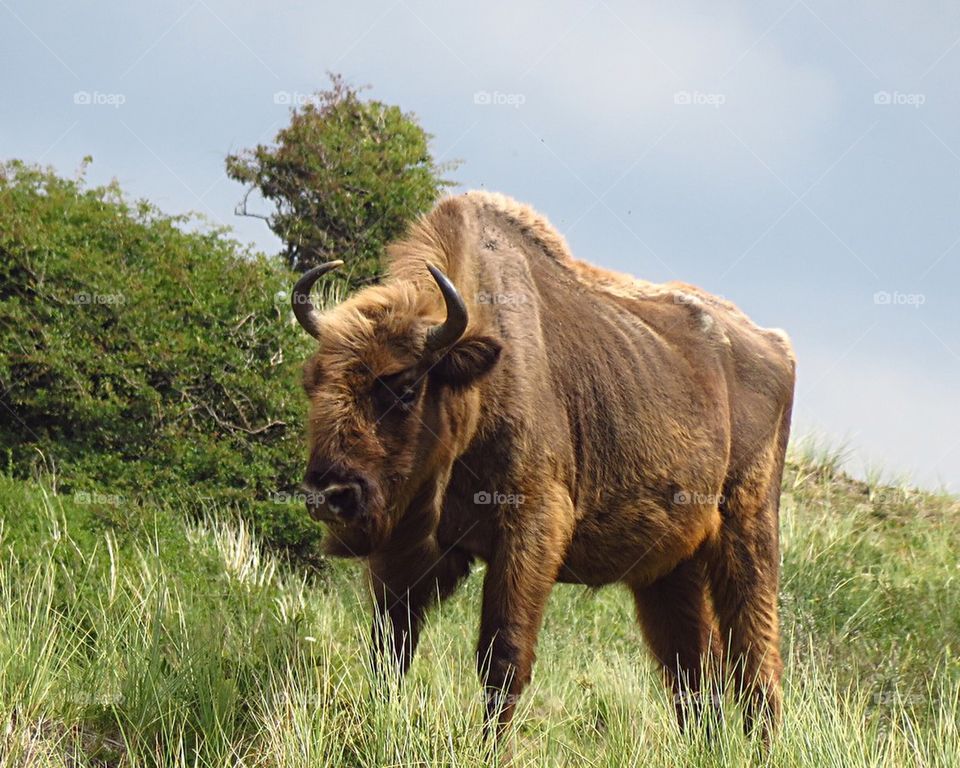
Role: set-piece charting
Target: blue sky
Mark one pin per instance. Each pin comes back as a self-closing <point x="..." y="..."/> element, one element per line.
<point x="801" y="158"/>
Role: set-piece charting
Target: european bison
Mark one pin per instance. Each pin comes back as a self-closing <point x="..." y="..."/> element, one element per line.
<point x="563" y="423"/>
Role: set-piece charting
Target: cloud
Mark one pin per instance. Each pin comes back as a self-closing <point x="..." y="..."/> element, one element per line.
<point x="615" y="75"/>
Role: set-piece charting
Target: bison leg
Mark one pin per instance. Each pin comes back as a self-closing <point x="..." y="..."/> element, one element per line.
<point x="519" y="579"/>
<point x="405" y="586"/>
<point x="744" y="568"/>
<point x="679" y="626"/>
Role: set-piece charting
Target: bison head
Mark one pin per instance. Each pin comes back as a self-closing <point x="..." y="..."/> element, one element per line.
<point x="392" y="405"/>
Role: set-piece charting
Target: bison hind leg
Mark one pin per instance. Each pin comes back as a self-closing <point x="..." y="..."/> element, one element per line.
<point x="743" y="567"/>
<point x="678" y="624"/>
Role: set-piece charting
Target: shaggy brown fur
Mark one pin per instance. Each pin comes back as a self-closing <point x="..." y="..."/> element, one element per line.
<point x="588" y="427"/>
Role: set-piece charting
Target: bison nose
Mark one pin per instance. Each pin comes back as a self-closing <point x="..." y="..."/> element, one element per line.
<point x="343" y="499"/>
<point x="334" y="493"/>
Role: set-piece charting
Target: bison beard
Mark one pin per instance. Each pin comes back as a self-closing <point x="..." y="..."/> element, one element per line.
<point x="495" y="398"/>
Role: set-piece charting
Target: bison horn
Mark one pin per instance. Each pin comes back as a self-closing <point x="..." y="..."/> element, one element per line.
<point x="306" y="314"/>
<point x="446" y="334"/>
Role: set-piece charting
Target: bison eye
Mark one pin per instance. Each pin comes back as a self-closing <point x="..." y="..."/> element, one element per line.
<point x="408" y="396"/>
<point x="397" y="392"/>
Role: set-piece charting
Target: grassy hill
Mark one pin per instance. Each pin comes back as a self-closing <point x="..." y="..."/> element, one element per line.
<point x="146" y="639"/>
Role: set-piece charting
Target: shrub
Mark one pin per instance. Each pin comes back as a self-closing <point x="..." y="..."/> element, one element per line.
<point x="346" y="176"/>
<point x="140" y="359"/>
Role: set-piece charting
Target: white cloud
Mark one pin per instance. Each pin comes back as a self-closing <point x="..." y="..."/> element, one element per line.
<point x="611" y="74"/>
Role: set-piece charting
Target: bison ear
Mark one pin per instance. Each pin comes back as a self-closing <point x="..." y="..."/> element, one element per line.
<point x="468" y="360"/>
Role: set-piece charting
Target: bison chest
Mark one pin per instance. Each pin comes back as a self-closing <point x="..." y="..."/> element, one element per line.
<point x="469" y="527"/>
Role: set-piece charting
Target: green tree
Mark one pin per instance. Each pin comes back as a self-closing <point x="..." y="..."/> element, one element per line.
<point x="345" y="177"/>
<point x="142" y="361"/>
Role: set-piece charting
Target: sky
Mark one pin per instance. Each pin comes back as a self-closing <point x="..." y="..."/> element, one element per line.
<point x="799" y="157"/>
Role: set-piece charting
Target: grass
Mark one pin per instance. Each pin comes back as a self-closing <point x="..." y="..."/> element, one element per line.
<point x="134" y="637"/>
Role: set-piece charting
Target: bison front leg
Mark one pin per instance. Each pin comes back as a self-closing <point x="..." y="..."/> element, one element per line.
<point x="405" y="585"/>
<point x="528" y="555"/>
